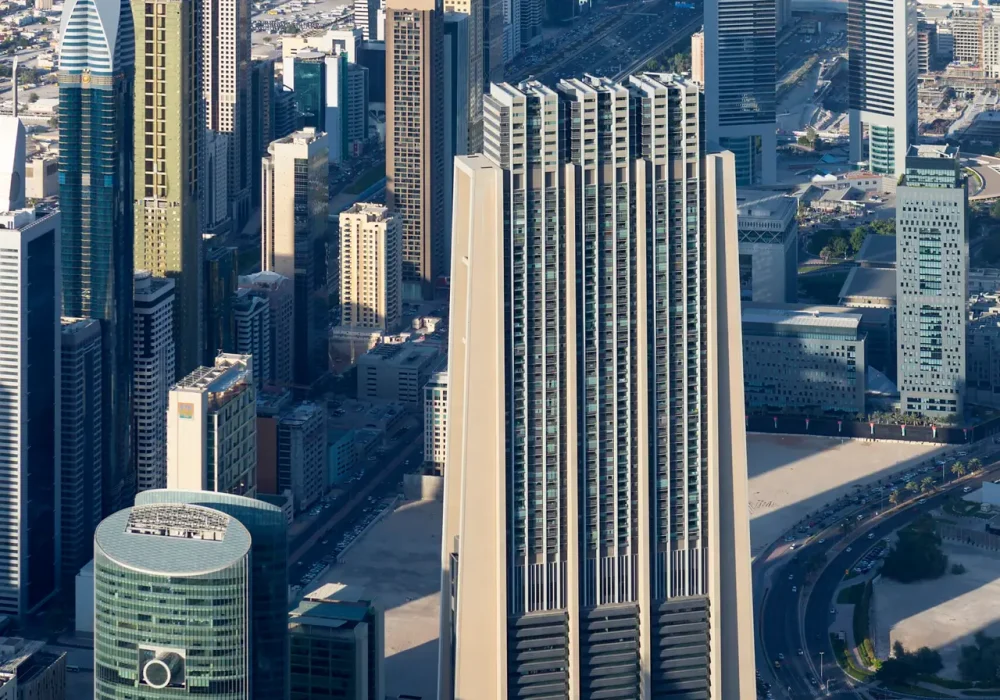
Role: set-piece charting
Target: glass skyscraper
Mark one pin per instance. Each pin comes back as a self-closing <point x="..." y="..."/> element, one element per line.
<point x="96" y="65"/>
<point x="269" y="580"/>
<point x="596" y="478"/>
<point x="172" y="587"/>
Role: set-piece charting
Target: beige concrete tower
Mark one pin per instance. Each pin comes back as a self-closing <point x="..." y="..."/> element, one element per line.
<point x="595" y="484"/>
<point x="414" y="137"/>
<point x="167" y="135"/>
<point x="371" y="272"/>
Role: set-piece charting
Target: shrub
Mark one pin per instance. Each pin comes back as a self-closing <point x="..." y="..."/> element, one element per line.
<point x="957" y="569"/>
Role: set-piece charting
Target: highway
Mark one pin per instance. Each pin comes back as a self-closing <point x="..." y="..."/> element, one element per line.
<point x="779" y="630"/>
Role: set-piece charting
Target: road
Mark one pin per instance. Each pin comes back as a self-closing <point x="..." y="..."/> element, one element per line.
<point x="779" y="629"/>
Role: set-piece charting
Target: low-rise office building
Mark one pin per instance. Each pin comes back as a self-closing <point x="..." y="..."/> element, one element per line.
<point x="812" y="362"/>
<point x="768" y="239"/>
<point x="396" y="372"/>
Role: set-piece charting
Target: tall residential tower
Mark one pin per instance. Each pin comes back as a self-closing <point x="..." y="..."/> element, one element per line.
<point x="168" y="132"/>
<point x="96" y="194"/>
<point x="596" y="470"/>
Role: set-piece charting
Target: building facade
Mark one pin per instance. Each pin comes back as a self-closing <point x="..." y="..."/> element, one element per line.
<point x="252" y="333"/>
<point x="560" y="373"/>
<point x="158" y="570"/>
<point x="262" y="118"/>
<point x="155" y="368"/>
<point x="268" y="600"/>
<point x="294" y="230"/>
<point x="81" y="441"/>
<point x="30" y="411"/>
<point x="396" y="372"/>
<point x="769" y="254"/>
<point x="96" y="68"/>
<point x="698" y="57"/>
<point x="370" y="268"/>
<point x="932" y="269"/>
<point x="221" y="275"/>
<point x="167" y="137"/>
<point x="882" y="82"/>
<point x="414" y="138"/>
<point x="808" y="362"/>
<point x="211" y="430"/>
<point x="302" y="454"/>
<point x="458" y="90"/>
<point x="279" y="293"/>
<point x="436" y="422"/>
<point x="739" y="78"/>
<point x="475" y="70"/>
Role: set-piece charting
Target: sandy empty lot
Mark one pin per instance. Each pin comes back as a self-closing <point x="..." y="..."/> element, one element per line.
<point x="792" y="475"/>
<point x="942" y="614"/>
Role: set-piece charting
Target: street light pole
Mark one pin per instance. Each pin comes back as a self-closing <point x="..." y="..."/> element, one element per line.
<point x="821" y="669"/>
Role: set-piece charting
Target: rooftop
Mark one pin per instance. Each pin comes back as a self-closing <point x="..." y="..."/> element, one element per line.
<point x="229" y="372"/>
<point x="929" y="150"/>
<point x="398" y="564"/>
<point x="266" y="279"/>
<point x="372" y="212"/>
<point x="877" y="250"/>
<point x="792" y="319"/>
<point x="871" y="283"/>
<point x="400" y="354"/>
<point x="121" y="539"/>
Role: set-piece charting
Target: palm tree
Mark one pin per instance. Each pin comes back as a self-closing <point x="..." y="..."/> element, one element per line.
<point x="958" y="469"/>
<point x="894" y="497"/>
<point x="912" y="486"/>
<point x="927" y="483"/>
<point x="975" y="465"/>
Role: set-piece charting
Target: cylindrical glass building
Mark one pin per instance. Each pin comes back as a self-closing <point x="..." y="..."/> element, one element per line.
<point x="171" y="604"/>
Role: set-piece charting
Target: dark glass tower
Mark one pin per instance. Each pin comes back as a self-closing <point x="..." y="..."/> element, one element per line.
<point x="96" y="66"/>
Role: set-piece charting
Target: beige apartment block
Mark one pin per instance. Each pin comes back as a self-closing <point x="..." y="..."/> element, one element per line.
<point x="371" y="268"/>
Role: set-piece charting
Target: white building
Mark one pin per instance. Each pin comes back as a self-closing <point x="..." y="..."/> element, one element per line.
<point x="277" y="289"/>
<point x="371" y="272"/>
<point x="211" y="429"/>
<point x="436" y="421"/>
<point x="29" y="377"/>
<point x="768" y="235"/>
<point x="882" y="84"/>
<point x="154" y="374"/>
<point x="252" y="332"/>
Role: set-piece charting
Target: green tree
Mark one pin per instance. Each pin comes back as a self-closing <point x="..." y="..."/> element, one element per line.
<point x="884" y="227"/>
<point x="33" y="98"/>
<point x="826" y="253"/>
<point x="839" y="245"/>
<point x="804" y="141"/>
<point x="894" y="497"/>
<point x="981" y="660"/>
<point x="958" y="469"/>
<point x="995" y="209"/>
<point x="912" y="486"/>
<point x="926" y="484"/>
<point x="917" y="554"/>
<point x="858" y="236"/>
<point x="975" y="465"/>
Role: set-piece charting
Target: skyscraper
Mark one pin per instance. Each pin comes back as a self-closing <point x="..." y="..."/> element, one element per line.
<point x="155" y="372"/>
<point x="882" y="81"/>
<point x="168" y="132"/>
<point x="252" y="333"/>
<point x="492" y="43"/>
<point x="366" y="18"/>
<point x="261" y="119"/>
<point x="596" y="448"/>
<point x="81" y="442"/>
<point x="740" y="67"/>
<point x="473" y="69"/>
<point x="370" y="268"/>
<point x="221" y="275"/>
<point x="269" y="584"/>
<point x="211" y="440"/>
<point x="414" y="138"/>
<point x="280" y="295"/>
<point x="30" y="381"/>
<point x="225" y="85"/>
<point x="165" y="574"/>
<point x="96" y="65"/>
<point x="932" y="281"/>
<point x="294" y="231"/>
<point x="458" y="94"/>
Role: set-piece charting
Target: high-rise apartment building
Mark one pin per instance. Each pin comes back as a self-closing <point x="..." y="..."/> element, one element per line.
<point x="294" y="232"/>
<point x="211" y="437"/>
<point x="280" y="296"/>
<point x="370" y="268"/>
<point x="436" y="422"/>
<point x="252" y="332"/>
<point x="154" y="375"/>
<point x="30" y="410"/>
<point x="168" y="133"/>
<point x="882" y="82"/>
<point x="967" y="26"/>
<point x="698" y="57"/>
<point x="80" y="443"/>
<point x="472" y="71"/>
<point x="96" y="193"/>
<point x="511" y="30"/>
<point x="268" y="599"/>
<point x="366" y="18"/>
<point x="414" y="138"/>
<point x="532" y="12"/>
<point x="740" y="67"/>
<point x="596" y="445"/>
<point x="492" y="44"/>
<point x="927" y="46"/>
<point x="165" y="574"/>
<point x="337" y="637"/>
<point x="458" y="89"/>
<point x="225" y="85"/>
<point x="932" y="271"/>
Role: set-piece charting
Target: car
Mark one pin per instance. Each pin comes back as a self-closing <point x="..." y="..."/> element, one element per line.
<point x="781" y="657"/>
<point x="793" y="545"/>
<point x="822" y="540"/>
<point x="833" y="611"/>
<point x="848" y="549"/>
<point x="791" y="577"/>
<point x="921" y="501"/>
<point x="795" y="589"/>
<point x="861" y="516"/>
<point x="966" y="489"/>
<point x="871" y="535"/>
<point x="801" y="653"/>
